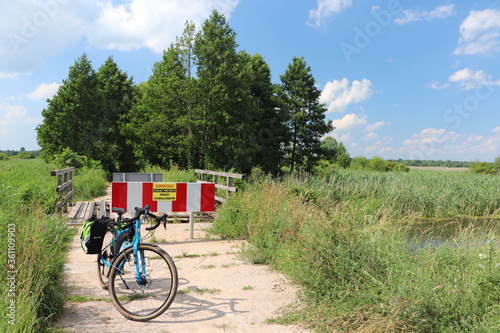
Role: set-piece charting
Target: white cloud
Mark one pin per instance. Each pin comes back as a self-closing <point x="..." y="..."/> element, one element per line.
<point x="337" y="95"/>
<point x="44" y="91"/>
<point x="373" y="127"/>
<point x="349" y="121"/>
<point x="480" y="32"/>
<point x="12" y="118"/>
<point x="485" y="145"/>
<point x="413" y="15"/>
<point x="325" y="9"/>
<point x="370" y="136"/>
<point x="150" y="23"/>
<point x="32" y="31"/>
<point x="432" y="143"/>
<point x="11" y="114"/>
<point x="436" y="85"/>
<point x="470" y="79"/>
<point x="431" y="135"/>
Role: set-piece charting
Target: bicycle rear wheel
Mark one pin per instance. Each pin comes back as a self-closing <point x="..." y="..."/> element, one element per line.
<point x="146" y="297"/>
<point x="108" y="254"/>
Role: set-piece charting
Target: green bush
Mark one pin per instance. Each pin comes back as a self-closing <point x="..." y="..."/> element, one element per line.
<point x="89" y="183"/>
<point x="24" y="155"/>
<point x="496" y="164"/>
<point x="482" y="167"/>
<point x="68" y="158"/>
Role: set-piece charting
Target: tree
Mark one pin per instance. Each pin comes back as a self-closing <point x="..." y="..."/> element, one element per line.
<point x="71" y="115"/>
<point x="116" y="94"/>
<point x="221" y="118"/>
<point x="268" y="128"/>
<point x="335" y="152"/>
<point x="185" y="46"/>
<point x="482" y="167"/>
<point x="496" y="164"/>
<point x="222" y="114"/>
<point x="360" y="163"/>
<point x="379" y="164"/>
<point x="298" y="98"/>
<point x="87" y="113"/>
<point x="156" y="125"/>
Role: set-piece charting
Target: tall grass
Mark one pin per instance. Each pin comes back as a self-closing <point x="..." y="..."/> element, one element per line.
<point x="364" y="263"/>
<point x="39" y="238"/>
<point x="427" y="194"/>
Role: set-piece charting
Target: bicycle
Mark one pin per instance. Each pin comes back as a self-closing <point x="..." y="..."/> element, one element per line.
<point x="141" y="277"/>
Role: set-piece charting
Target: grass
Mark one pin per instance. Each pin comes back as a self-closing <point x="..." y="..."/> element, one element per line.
<point x="83" y="299"/>
<point x="223" y="327"/>
<point x="378" y="252"/>
<point x="35" y="240"/>
<point x="187" y="255"/>
<point x="200" y="291"/>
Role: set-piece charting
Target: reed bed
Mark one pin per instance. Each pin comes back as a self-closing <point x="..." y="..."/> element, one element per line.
<point x="378" y="252"/>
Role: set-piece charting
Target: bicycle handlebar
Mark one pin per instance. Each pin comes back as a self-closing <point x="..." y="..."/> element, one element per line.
<point x="145" y="211"/>
<point x="159" y="220"/>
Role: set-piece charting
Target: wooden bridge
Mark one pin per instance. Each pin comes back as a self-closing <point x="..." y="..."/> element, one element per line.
<point x="84" y="210"/>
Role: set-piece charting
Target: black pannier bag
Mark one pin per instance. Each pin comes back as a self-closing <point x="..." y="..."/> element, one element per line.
<point x="92" y="236"/>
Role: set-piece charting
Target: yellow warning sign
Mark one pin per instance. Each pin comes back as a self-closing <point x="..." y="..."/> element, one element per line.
<point x="164" y="191"/>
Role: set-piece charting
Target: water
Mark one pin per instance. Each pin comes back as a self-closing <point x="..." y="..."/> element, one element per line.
<point x="464" y="231"/>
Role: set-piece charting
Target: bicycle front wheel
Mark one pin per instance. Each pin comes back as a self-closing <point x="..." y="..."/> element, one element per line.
<point x="144" y="290"/>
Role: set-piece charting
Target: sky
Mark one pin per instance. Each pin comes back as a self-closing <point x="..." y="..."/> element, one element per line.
<point x="409" y="79"/>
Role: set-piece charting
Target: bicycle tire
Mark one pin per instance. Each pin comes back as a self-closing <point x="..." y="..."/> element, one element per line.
<point x="148" y="299"/>
<point x="108" y="254"/>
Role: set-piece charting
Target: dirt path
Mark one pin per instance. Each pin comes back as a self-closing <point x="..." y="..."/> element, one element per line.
<point x="220" y="293"/>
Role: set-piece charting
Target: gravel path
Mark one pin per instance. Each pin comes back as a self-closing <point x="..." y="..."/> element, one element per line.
<point x="220" y="293"/>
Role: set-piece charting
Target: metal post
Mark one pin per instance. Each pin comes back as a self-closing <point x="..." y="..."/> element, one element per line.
<point x="191" y="225"/>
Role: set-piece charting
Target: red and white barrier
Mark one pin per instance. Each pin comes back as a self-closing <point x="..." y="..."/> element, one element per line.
<point x="164" y="197"/>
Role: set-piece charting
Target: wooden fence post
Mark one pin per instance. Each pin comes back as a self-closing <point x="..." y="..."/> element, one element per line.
<point x="229" y="182"/>
<point x="64" y="188"/>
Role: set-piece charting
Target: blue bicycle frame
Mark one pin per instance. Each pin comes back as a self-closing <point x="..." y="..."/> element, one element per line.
<point x="139" y="258"/>
<point x="135" y="244"/>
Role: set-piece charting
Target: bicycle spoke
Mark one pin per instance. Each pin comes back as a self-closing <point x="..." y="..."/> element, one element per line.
<point x="106" y="254"/>
<point x="148" y="295"/>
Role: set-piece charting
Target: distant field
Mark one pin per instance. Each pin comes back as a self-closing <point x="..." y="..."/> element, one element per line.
<point x="440" y="169"/>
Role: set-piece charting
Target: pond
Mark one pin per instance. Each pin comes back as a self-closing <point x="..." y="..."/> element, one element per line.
<point x="464" y="230"/>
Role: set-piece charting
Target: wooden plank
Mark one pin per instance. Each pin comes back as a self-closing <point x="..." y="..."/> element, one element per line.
<point x="102" y="209"/>
<point x="222" y="187"/>
<point x="89" y="210"/>
<point x="217" y="173"/>
<point x="62" y="171"/>
<point x="74" y="211"/>
<point x="65" y="185"/>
